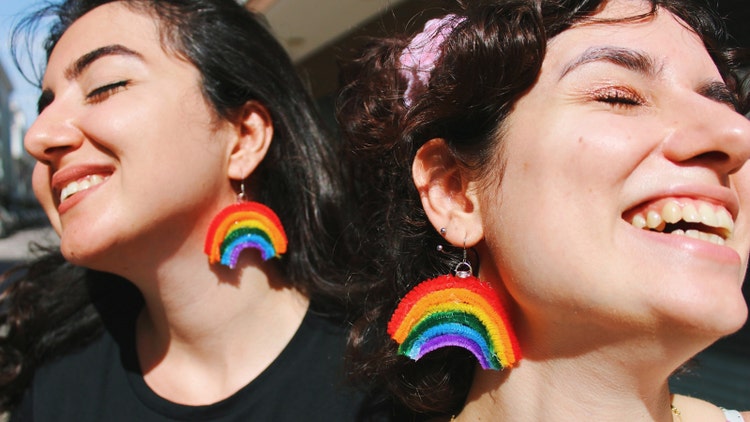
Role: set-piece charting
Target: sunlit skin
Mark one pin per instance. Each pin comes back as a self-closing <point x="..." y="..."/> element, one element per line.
<point x="614" y="139"/>
<point x="87" y="127"/>
<point x="622" y="117"/>
<point x="126" y="115"/>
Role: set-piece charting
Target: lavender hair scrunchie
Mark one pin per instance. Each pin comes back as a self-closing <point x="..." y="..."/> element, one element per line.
<point x="419" y="57"/>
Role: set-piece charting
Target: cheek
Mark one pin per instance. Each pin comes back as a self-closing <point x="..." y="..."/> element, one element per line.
<point x="41" y="186"/>
<point x="43" y="193"/>
<point x="741" y="183"/>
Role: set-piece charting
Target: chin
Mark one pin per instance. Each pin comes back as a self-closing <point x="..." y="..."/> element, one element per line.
<point x="710" y="322"/>
<point x="80" y="255"/>
<point x="75" y="256"/>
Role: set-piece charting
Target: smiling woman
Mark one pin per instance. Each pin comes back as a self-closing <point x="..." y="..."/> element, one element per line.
<point x="591" y="156"/>
<point x="198" y="202"/>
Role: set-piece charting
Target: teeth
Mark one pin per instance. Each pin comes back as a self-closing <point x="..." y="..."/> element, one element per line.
<point x="723" y="219"/>
<point x="708" y="216"/>
<point x="673" y="212"/>
<point x="690" y="214"/>
<point x="638" y="221"/>
<point x="80" y="185"/>
<point x="695" y="234"/>
<point x="654" y="221"/>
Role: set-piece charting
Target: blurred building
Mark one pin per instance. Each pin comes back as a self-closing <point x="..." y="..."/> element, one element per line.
<point x="22" y="164"/>
<point x="6" y="120"/>
<point x="17" y="204"/>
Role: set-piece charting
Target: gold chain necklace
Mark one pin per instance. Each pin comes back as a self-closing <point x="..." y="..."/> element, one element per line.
<point x="676" y="412"/>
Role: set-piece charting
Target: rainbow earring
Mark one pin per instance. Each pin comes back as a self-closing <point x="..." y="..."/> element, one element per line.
<point x="243" y="225"/>
<point x="455" y="310"/>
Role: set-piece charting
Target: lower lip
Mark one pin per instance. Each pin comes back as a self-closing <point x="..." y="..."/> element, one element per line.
<point x="71" y="201"/>
<point x="701" y="248"/>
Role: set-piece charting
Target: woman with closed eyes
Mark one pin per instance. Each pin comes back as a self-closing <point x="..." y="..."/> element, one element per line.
<point x="559" y="204"/>
<point x="198" y="201"/>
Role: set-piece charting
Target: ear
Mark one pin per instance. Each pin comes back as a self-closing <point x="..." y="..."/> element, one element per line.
<point x="254" y="131"/>
<point x="449" y="199"/>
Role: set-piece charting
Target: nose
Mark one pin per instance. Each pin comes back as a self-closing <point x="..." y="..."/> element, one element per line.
<point x="710" y="134"/>
<point x="52" y="134"/>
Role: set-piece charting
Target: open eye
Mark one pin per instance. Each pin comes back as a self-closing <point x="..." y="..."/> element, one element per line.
<point x="618" y="96"/>
<point x="103" y="92"/>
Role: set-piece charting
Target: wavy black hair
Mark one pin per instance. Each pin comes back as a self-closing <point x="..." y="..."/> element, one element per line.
<point x="239" y="60"/>
<point x="491" y="58"/>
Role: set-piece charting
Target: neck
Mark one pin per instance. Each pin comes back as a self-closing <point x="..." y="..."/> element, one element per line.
<point x="614" y="380"/>
<point x="564" y="390"/>
<point x="206" y="331"/>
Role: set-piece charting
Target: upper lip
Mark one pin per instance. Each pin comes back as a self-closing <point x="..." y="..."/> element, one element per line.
<point x="63" y="177"/>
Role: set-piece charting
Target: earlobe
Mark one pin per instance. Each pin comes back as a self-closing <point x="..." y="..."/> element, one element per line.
<point x="254" y="132"/>
<point x="448" y="197"/>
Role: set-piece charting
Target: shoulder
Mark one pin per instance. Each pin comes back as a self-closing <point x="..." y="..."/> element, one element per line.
<point x="75" y="367"/>
<point x="66" y="389"/>
<point x="702" y="410"/>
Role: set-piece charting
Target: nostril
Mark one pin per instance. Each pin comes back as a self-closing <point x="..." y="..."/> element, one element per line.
<point x="54" y="150"/>
<point x="719" y="160"/>
<point x="722" y="161"/>
<point x="713" y="156"/>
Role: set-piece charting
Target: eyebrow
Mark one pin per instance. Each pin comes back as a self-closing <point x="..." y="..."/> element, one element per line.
<point x="719" y="92"/>
<point x="79" y="66"/>
<point x="74" y="70"/>
<point x="627" y="58"/>
<point x="642" y="63"/>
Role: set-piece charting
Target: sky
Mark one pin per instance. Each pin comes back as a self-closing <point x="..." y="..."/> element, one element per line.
<point x="24" y="93"/>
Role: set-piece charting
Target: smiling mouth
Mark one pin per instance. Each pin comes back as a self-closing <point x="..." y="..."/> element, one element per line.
<point x="685" y="217"/>
<point x="81" y="185"/>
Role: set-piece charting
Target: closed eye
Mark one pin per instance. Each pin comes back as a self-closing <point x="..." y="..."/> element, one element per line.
<point x="103" y="92"/>
<point x="618" y="96"/>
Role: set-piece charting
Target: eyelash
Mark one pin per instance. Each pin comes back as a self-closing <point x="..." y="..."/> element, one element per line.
<point x="102" y="93"/>
<point x="618" y="97"/>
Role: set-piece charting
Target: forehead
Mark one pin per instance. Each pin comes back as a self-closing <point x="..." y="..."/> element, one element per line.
<point x="109" y="24"/>
<point x="663" y="37"/>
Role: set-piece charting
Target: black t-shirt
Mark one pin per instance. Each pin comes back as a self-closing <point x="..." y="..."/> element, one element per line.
<point x="102" y="382"/>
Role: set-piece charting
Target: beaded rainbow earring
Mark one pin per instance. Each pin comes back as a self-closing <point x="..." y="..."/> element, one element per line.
<point x="244" y="224"/>
<point x="455" y="310"/>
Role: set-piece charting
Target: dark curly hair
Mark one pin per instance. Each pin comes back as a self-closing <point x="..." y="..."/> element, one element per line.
<point x="491" y="58"/>
<point x="49" y="308"/>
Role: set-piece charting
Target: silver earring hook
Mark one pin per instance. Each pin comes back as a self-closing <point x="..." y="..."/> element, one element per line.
<point x="463" y="269"/>
<point x="242" y="197"/>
